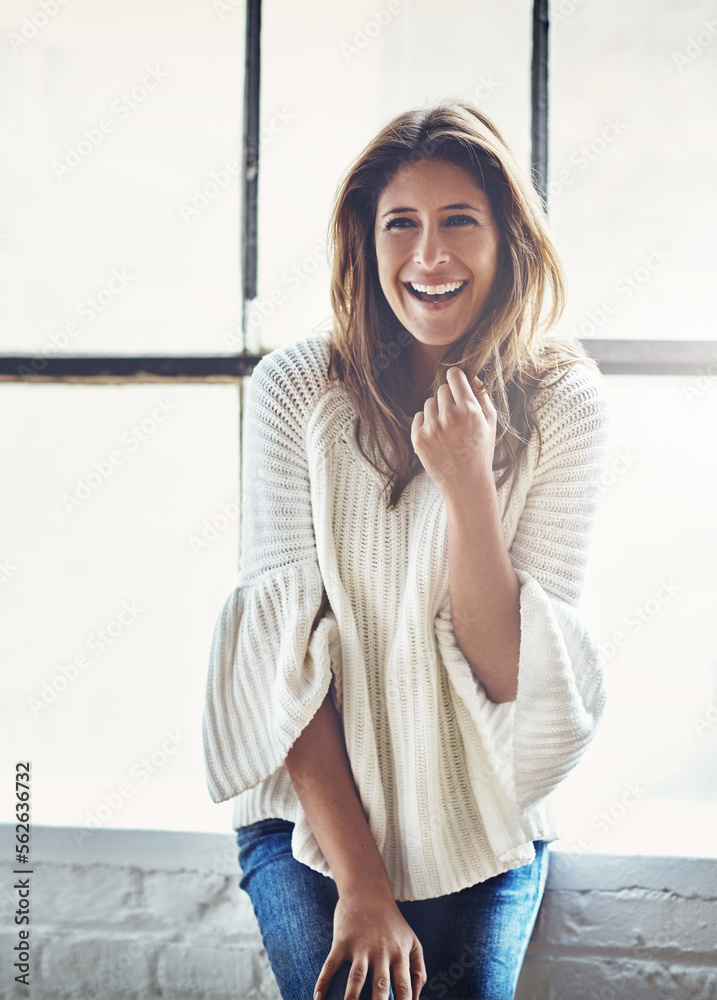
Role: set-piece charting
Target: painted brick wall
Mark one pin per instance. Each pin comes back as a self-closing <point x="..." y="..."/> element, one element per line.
<point x="135" y="914"/>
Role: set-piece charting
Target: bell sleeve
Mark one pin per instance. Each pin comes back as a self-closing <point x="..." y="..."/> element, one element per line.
<point x="270" y="662"/>
<point x="530" y="744"/>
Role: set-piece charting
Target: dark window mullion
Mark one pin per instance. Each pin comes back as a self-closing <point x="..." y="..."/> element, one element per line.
<point x="92" y="367"/>
<point x="250" y="132"/>
<point x="539" y="100"/>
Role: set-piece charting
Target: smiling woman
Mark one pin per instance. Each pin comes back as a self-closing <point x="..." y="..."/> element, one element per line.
<point x="438" y="197"/>
<point x="401" y="676"/>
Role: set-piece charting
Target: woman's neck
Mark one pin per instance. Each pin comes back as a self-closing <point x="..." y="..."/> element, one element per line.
<point x="419" y="369"/>
<point x="422" y="361"/>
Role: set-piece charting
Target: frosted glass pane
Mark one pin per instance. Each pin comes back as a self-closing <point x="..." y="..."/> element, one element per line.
<point x="647" y="785"/>
<point x="633" y="140"/>
<point x="327" y="90"/>
<point x="121" y="145"/>
<point x="119" y="543"/>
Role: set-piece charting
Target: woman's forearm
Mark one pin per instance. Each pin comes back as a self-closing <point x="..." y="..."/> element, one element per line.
<point x="320" y="770"/>
<point x="484" y="591"/>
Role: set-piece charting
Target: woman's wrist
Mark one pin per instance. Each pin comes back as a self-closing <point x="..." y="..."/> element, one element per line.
<point x="359" y="883"/>
<point x="465" y="498"/>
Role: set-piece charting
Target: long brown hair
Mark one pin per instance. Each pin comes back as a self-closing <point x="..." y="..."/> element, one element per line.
<point x="511" y="348"/>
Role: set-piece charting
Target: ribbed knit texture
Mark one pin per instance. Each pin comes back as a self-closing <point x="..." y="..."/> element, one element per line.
<point x="456" y="787"/>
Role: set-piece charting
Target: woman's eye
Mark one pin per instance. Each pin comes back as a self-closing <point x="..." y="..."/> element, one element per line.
<point x="461" y="220"/>
<point x="396" y="223"/>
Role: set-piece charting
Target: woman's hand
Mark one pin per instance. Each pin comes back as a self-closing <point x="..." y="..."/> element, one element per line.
<point x="454" y="435"/>
<point x="370" y="931"/>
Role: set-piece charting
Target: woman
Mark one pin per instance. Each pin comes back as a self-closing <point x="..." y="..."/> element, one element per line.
<point x="401" y="676"/>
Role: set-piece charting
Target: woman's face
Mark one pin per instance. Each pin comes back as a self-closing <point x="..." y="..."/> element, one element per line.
<point x="434" y="228"/>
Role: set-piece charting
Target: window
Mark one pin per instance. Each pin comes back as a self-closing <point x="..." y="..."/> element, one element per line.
<point x="632" y="198"/>
<point x="125" y="270"/>
<point x="122" y="151"/>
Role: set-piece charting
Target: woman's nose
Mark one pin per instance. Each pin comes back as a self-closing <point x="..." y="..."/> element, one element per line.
<point x="430" y="251"/>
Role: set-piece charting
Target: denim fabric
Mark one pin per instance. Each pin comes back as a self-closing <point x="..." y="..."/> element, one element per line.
<point x="474" y="941"/>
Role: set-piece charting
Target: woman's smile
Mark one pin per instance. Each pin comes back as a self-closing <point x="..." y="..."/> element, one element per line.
<point x="438" y="295"/>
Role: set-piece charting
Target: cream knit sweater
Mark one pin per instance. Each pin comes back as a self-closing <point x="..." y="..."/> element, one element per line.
<point x="454" y="786"/>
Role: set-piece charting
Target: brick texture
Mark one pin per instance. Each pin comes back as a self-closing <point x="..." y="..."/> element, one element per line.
<point x="160" y="915"/>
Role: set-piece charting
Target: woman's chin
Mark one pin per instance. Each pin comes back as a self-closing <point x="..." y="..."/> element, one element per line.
<point x="432" y="336"/>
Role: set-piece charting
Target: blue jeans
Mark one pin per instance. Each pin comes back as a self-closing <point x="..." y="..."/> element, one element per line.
<point x="474" y="940"/>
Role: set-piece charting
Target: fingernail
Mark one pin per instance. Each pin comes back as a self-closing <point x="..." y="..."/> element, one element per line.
<point x="318" y="995"/>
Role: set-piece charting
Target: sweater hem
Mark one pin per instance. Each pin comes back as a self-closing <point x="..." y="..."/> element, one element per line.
<point x="256" y="804"/>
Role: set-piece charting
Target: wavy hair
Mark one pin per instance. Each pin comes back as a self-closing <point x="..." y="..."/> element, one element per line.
<point x="511" y="348"/>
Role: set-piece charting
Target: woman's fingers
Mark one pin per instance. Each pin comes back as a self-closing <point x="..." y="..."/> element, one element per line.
<point x="458" y="391"/>
<point x="408" y="978"/>
<point x="430" y="407"/>
<point x="381" y="984"/>
<point x="445" y="396"/>
<point x="486" y="404"/>
<point x="356" y="979"/>
<point x="406" y="985"/>
<point x="419" y="978"/>
<point x="460" y="387"/>
<point x="381" y="948"/>
<point x="334" y="960"/>
<point x="482" y="394"/>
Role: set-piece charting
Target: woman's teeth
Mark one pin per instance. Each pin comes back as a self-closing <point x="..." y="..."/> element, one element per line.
<point x="437" y="293"/>
<point x="438" y="289"/>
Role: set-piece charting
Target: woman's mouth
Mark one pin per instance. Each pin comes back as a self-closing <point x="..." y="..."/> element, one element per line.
<point x="436" y="294"/>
